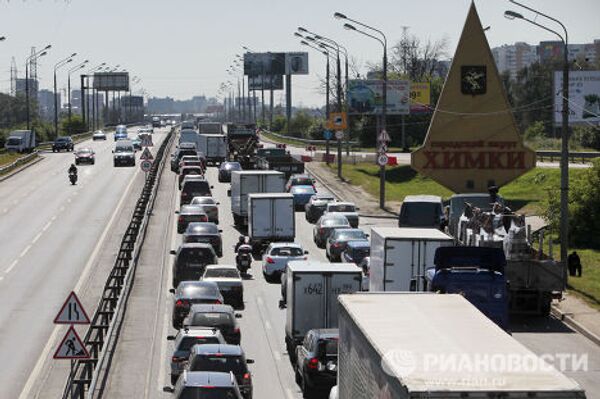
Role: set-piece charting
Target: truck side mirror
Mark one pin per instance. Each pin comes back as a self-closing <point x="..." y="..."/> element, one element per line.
<point x="170" y="338"/>
<point x="229" y="193"/>
<point x="173" y="252"/>
<point x="282" y="304"/>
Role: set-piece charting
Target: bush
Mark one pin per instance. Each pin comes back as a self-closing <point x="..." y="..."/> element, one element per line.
<point x="278" y="123"/>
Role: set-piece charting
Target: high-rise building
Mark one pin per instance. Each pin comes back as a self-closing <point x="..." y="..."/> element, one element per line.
<point x="46" y="104"/>
<point x="512" y="58"/>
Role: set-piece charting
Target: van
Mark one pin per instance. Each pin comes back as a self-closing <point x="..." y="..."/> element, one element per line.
<point x="124" y="153"/>
<point x="422" y="211"/>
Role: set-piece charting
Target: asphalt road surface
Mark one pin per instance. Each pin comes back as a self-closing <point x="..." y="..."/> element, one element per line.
<point x="55" y="238"/>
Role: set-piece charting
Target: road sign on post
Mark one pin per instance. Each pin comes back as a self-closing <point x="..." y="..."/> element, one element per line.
<point x="146" y="140"/>
<point x="327" y="134"/>
<point x="337" y="121"/>
<point x="339" y="134"/>
<point x="146" y="155"/>
<point x="382" y="160"/>
<point x="72" y="312"/>
<point x="71" y="347"/>
<point x="146" y="165"/>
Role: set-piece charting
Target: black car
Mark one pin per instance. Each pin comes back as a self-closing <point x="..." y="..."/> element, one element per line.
<point x="316" y="365"/>
<point x="205" y="232"/>
<point x="189" y="293"/>
<point x="222" y="317"/>
<point x="191" y="260"/>
<point x="225" y="170"/>
<point x="62" y="143"/>
<point x="197" y="187"/>
<point x="182" y="150"/>
<point x="316" y="206"/>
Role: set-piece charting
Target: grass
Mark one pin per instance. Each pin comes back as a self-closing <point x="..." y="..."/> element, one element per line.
<point x="9" y="157"/>
<point x="587" y="286"/>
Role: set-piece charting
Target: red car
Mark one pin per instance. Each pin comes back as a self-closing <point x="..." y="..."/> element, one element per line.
<point x="85" y="155"/>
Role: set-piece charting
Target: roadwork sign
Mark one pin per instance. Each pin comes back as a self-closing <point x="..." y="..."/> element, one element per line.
<point x="72" y="312"/>
<point x="146" y="165"/>
<point x="71" y="347"/>
<point x="147" y="140"/>
<point x="146" y="155"/>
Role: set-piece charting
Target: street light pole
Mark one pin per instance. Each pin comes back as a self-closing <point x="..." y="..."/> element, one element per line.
<point x="40" y="53"/>
<point x="75" y="68"/>
<point x="58" y="65"/>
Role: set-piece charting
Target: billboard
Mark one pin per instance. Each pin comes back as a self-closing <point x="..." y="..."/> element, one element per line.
<point x="584" y="97"/>
<point x="256" y="64"/>
<point x="296" y="63"/>
<point x="366" y="97"/>
<point x="420" y="97"/>
<point x="111" y="81"/>
<point x="133" y="101"/>
<point x="256" y="82"/>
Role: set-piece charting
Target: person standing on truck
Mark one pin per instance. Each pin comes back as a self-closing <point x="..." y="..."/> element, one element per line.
<point x="574" y="264"/>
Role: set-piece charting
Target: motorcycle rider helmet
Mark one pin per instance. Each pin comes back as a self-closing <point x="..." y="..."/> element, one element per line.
<point x="242" y="239"/>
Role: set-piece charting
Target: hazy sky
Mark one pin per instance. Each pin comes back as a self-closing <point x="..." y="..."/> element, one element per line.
<point x="181" y="48"/>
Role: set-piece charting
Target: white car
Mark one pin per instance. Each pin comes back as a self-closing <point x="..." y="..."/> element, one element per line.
<point x="209" y="206"/>
<point x="276" y="257"/>
<point x="229" y="280"/>
<point x="99" y="135"/>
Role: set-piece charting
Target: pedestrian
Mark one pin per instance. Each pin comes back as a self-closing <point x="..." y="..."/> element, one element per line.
<point x="574" y="264"/>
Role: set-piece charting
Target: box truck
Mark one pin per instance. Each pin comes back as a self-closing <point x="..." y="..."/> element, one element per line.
<point x="311" y="295"/>
<point x="423" y="345"/>
<point x="246" y="182"/>
<point x="20" y="141"/>
<point x="270" y="218"/>
<point x="400" y="257"/>
<point x="214" y="147"/>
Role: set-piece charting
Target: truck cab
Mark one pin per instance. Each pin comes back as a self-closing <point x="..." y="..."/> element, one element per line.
<point x="456" y="207"/>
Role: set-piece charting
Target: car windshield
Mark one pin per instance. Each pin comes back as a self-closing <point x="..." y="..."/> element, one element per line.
<point x="194" y="290"/>
<point x="208" y="393"/>
<point x="420" y="214"/>
<point x="226" y="273"/>
<point x="301" y="181"/>
<point x="341" y="208"/>
<point x="124" y="149"/>
<point x="350" y="235"/>
<point x="189" y="341"/>
<point x="195" y="255"/>
<point x="218" y="362"/>
<point x="84" y="151"/>
<point x="14" y="141"/>
<point x="303" y="190"/>
<point x="62" y="140"/>
<point x="211" y="319"/>
<point x="287" y="251"/>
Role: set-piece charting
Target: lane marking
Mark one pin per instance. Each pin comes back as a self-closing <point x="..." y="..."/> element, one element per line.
<point x="289" y="393"/>
<point x="47" y="225"/>
<point x="12" y="265"/>
<point x="37" y="237"/>
<point x="277" y="355"/>
<point x="267" y="325"/>
<point x="24" y="252"/>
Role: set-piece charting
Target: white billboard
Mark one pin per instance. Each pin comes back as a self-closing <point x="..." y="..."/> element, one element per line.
<point x="366" y="97"/>
<point x="296" y="63"/>
<point x="584" y="97"/>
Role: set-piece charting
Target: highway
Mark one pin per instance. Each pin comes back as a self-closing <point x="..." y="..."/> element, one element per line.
<point x="56" y="238"/>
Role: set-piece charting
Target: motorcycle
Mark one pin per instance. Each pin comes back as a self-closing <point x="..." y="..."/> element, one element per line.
<point x="73" y="178"/>
<point x="243" y="258"/>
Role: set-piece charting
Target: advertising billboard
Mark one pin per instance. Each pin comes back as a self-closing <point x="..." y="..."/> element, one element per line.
<point x="111" y="81"/>
<point x="365" y="97"/>
<point x="296" y="63"/>
<point x="420" y="97"/>
<point x="256" y="64"/>
<point x="257" y="83"/>
<point x="584" y="97"/>
<point x="133" y="101"/>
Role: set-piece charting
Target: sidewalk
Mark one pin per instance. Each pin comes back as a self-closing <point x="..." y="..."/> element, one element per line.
<point x="579" y="315"/>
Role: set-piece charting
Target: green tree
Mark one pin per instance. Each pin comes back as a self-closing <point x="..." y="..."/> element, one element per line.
<point x="300" y="124"/>
<point x="74" y="126"/>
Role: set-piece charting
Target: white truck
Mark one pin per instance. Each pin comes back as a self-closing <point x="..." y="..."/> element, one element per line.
<point x="214" y="147"/>
<point x="20" y="141"/>
<point x="400" y="257"/>
<point x="271" y="218"/>
<point x="417" y="345"/>
<point x="247" y="182"/>
<point x="311" y="293"/>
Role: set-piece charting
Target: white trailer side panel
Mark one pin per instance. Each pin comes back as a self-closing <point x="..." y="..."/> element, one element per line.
<point x="260" y="217"/>
<point x="285" y="217"/>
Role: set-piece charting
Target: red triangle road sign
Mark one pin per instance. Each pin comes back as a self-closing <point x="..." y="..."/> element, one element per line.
<point x="72" y="312"/>
<point x="146" y="155"/>
<point x="71" y="347"/>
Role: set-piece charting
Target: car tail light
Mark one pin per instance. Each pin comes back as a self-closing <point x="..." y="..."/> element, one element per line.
<point x="204" y="218"/>
<point x="306" y="257"/>
<point x="236" y="330"/>
<point x="177" y="359"/>
<point x="321" y="230"/>
<point x="218" y="302"/>
<point x="270" y="260"/>
<point x="181" y="219"/>
<point x="313" y="364"/>
<point x="336" y="245"/>
<point x="246" y="379"/>
<point x="182" y="304"/>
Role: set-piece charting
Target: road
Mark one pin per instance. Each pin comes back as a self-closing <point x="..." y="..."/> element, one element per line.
<point x="55" y="238"/>
<point x="141" y="361"/>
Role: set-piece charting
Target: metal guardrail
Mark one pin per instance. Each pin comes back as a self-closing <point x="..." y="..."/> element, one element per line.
<point x="308" y="141"/>
<point x="18" y="162"/>
<point x="573" y="156"/>
<point x="107" y="319"/>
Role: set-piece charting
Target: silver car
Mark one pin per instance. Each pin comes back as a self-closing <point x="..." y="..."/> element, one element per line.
<point x="326" y="224"/>
<point x="229" y="280"/>
<point x="347" y="209"/>
<point x="277" y="256"/>
<point x="210" y="206"/>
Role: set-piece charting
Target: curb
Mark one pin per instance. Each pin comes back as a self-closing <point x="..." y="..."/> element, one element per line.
<point x="575" y="325"/>
<point x="13" y="172"/>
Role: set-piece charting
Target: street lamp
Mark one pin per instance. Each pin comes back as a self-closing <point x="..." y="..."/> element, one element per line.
<point x="40" y="53"/>
<point x="564" y="154"/>
<point x="58" y="65"/>
<point x="94" y="106"/>
<point x="383" y="132"/>
<point x="75" y="68"/>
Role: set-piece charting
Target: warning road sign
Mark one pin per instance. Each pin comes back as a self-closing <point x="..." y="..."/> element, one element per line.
<point x="71" y="347"/>
<point x="72" y="312"/>
<point x="383" y="137"/>
<point x="146" y="155"/>
<point x="146" y="165"/>
<point x="337" y="121"/>
<point x="146" y="140"/>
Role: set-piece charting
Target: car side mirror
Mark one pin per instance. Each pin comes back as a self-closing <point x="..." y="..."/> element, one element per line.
<point x="168" y="389"/>
<point x="218" y="203"/>
<point x="177" y="212"/>
<point x="211" y="187"/>
<point x="282" y="304"/>
<point x="358" y="209"/>
<point x="113" y="151"/>
<point x="173" y="252"/>
<point x="305" y="252"/>
<point x="229" y="193"/>
<point x="170" y="338"/>
<point x="220" y="230"/>
<point x="250" y="361"/>
<point x="172" y="290"/>
<point x="367" y="235"/>
<point x="238" y="315"/>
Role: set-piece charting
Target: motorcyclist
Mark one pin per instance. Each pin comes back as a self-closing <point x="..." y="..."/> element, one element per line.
<point x="72" y="169"/>
<point x="241" y="241"/>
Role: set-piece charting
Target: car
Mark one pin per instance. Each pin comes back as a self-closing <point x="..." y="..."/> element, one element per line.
<point x="191" y="160"/>
<point x="229" y="280"/>
<point x="182" y="150"/>
<point x="137" y="143"/>
<point x="199" y="157"/>
<point x="194" y="188"/>
<point x="188" y="214"/>
<point x="210" y="206"/>
<point x="338" y="239"/>
<point x="365" y="266"/>
<point x="302" y="195"/>
<point x="183" y="342"/>
<point x="185" y="125"/>
<point x="121" y="133"/>
<point x="85" y="155"/>
<point x="223" y="358"/>
<point x="98" y="135"/>
<point x="276" y="257"/>
<point x="63" y="143"/>
<point x="326" y="224"/>
<point x="190" y="261"/>
<point x="299" y="180"/>
<point x="316" y="365"/>
<point x="189" y="170"/>
<point x="205" y="232"/>
<point x="422" y="211"/>
<point x="124" y="153"/>
<point x="225" y="170"/>
<point x="316" y="206"/>
<point x="205" y="385"/>
<point x="189" y="293"/>
<point x="356" y="251"/>
<point x="221" y="317"/>
<point x="347" y="209"/>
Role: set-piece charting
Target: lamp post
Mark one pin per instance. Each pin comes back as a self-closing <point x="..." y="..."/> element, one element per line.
<point x="383" y="132"/>
<point x="38" y="54"/>
<point x="58" y="65"/>
<point x="75" y="68"/>
<point x="564" y="153"/>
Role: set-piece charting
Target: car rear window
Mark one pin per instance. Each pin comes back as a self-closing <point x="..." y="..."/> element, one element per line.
<point x="420" y="214"/>
<point x="197" y="187"/>
<point x="349" y="235"/>
<point x="331" y="346"/>
<point x="302" y="181"/>
<point x="203" y="201"/>
<point x="212" y="319"/>
<point x="303" y="190"/>
<point x="341" y="208"/>
<point x="226" y="273"/>
<point x="195" y="255"/>
<point x="335" y="221"/>
<point x="287" y="251"/>
<point x="189" y="341"/>
<point x="194" y="290"/>
<point x="208" y="393"/>
<point x="218" y="362"/>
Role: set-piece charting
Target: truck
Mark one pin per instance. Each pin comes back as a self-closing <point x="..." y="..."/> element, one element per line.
<point x="278" y="159"/>
<point x="156" y="121"/>
<point x="406" y="345"/>
<point x="311" y="293"/>
<point x="242" y="142"/>
<point x="214" y="147"/>
<point x="456" y="206"/>
<point x="401" y="256"/>
<point x="20" y="141"/>
<point x="271" y="218"/>
<point x="210" y="128"/>
<point x="246" y="182"/>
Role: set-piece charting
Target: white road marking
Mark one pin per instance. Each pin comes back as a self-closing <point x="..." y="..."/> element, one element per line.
<point x="24" y="252"/>
<point x="267" y="325"/>
<point x="47" y="225"/>
<point x="277" y="355"/>
<point x="289" y="393"/>
<point x="37" y="237"/>
<point x="12" y="265"/>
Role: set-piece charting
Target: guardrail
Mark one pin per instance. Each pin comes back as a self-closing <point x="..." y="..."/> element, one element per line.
<point x="309" y="141"/>
<point x="106" y="322"/>
<point x="573" y="156"/>
<point x="18" y="162"/>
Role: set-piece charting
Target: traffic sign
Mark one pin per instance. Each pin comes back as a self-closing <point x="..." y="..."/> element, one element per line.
<point x="382" y="160"/>
<point x="147" y="141"/>
<point x="328" y="134"/>
<point x="146" y="165"/>
<point x="146" y="155"/>
<point x="71" y="347"/>
<point x="339" y="134"/>
<point x="382" y="148"/>
<point x="72" y="312"/>
<point x="383" y="137"/>
<point x="337" y="121"/>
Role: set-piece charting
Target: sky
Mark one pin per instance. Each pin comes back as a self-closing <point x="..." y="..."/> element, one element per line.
<point x="181" y="48"/>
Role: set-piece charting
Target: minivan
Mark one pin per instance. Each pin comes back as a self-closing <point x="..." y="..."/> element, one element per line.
<point x="422" y="211"/>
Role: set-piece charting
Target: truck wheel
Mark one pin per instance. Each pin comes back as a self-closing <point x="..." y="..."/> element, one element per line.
<point x="173" y="379"/>
<point x="291" y="350"/>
